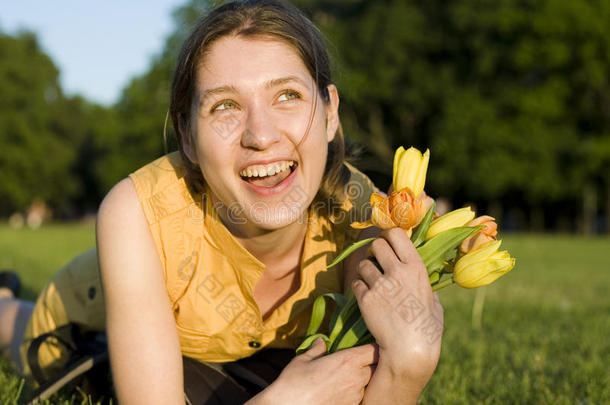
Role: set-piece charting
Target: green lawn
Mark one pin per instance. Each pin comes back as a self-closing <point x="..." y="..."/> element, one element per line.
<point x="545" y="326"/>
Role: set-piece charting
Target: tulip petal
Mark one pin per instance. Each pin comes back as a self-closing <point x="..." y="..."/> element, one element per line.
<point x="482" y="266"/>
<point x="397" y="155"/>
<point x="479" y="255"/>
<point x="361" y="225"/>
<point x="376" y="198"/>
<point x="453" y="219"/>
<point x="420" y="178"/>
<point x="484" y="273"/>
<point x="407" y="168"/>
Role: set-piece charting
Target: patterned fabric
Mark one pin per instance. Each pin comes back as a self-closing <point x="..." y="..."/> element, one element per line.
<point x="210" y="276"/>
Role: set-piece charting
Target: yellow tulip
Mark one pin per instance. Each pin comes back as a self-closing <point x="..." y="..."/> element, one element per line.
<point x="453" y="219"/>
<point x="482" y="266"/>
<point x="410" y="168"/>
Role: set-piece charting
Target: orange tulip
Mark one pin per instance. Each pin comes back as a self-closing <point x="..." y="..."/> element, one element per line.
<point x="485" y="235"/>
<point x="399" y="209"/>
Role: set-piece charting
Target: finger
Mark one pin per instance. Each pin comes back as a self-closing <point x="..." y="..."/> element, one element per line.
<point x="367" y="373"/>
<point x="364" y="355"/>
<point x="368" y="272"/>
<point x="385" y="255"/>
<point x="359" y="288"/>
<point x="318" y="349"/>
<point x="402" y="245"/>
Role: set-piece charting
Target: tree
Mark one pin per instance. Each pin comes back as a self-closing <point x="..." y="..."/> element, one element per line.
<point x="142" y="129"/>
<point x="506" y="93"/>
<point x="35" y="160"/>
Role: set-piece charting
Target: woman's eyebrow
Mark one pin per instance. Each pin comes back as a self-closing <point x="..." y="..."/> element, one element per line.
<point x="283" y="80"/>
<point x="216" y="90"/>
<point x="232" y="89"/>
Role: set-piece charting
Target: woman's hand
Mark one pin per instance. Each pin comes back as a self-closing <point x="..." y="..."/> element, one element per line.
<point x="403" y="314"/>
<point x="316" y="378"/>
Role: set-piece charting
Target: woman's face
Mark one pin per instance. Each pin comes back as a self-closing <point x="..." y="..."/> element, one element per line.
<point x="260" y="149"/>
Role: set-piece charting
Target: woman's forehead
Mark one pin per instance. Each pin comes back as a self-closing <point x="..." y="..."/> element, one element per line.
<point x="251" y="62"/>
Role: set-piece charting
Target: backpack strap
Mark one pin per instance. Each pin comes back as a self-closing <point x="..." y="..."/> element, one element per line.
<point x="77" y="369"/>
<point x="64" y="335"/>
<point x="87" y="351"/>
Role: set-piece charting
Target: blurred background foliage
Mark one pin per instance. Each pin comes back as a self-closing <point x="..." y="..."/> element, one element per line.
<point x="511" y="96"/>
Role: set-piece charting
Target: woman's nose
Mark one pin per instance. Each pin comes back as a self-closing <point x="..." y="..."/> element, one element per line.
<point x="260" y="132"/>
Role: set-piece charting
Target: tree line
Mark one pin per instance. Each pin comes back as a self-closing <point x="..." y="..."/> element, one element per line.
<point x="511" y="96"/>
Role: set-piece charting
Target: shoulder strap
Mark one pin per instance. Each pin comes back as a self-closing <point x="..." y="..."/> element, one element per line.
<point x="87" y="350"/>
<point x="77" y="369"/>
<point x="63" y="334"/>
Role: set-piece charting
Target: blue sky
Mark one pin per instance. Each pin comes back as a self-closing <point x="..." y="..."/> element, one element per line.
<point x="98" y="46"/>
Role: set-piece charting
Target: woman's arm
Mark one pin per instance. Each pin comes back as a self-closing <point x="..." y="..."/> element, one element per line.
<point x="404" y="316"/>
<point x="143" y="342"/>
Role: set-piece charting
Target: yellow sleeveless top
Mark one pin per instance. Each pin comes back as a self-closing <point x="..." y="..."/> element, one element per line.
<point x="210" y="276"/>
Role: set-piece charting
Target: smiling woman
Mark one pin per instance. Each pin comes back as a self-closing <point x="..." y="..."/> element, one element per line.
<point x="263" y="87"/>
<point x="210" y="257"/>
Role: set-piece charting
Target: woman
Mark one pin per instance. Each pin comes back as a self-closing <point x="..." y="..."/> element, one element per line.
<point x="218" y="251"/>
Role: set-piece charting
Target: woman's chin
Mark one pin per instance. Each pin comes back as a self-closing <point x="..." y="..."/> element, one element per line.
<point x="273" y="219"/>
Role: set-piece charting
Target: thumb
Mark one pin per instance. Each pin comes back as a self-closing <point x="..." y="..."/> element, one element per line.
<point x="318" y="349"/>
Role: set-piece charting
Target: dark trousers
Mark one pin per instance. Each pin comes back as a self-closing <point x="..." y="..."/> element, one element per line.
<point x="232" y="383"/>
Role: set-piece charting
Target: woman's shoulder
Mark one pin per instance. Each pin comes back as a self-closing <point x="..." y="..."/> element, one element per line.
<point x="161" y="187"/>
<point x="159" y="174"/>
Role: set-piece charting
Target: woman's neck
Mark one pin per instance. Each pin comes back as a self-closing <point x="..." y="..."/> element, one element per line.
<point x="277" y="248"/>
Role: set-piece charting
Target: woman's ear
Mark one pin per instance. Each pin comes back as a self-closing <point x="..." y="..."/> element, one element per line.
<point x="187" y="140"/>
<point x="332" y="112"/>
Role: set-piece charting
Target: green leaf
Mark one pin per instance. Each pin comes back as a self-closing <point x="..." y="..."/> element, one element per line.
<point x="349" y="250"/>
<point x="438" y="249"/>
<point x="367" y="338"/>
<point x="342" y="319"/>
<point x="419" y="236"/>
<point x="319" y="310"/>
<point x="309" y="341"/>
<point x="356" y="332"/>
<point x="340" y="304"/>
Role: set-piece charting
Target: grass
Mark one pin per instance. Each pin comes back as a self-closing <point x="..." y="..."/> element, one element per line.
<point x="543" y="340"/>
<point x="37" y="255"/>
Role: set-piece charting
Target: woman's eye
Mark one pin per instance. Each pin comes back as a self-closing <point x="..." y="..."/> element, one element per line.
<point x="225" y="105"/>
<point x="289" y="95"/>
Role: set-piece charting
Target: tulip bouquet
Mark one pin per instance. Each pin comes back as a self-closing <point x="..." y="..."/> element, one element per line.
<point x="456" y="248"/>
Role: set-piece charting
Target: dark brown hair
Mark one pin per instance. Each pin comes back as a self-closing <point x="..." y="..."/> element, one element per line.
<point x="268" y="18"/>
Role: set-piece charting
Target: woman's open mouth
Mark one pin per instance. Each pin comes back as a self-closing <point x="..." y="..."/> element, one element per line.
<point x="269" y="178"/>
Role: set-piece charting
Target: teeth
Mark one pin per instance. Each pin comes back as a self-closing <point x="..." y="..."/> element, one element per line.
<point x="268" y="170"/>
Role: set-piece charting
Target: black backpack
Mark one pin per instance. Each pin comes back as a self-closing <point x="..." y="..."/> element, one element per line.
<point x="88" y="367"/>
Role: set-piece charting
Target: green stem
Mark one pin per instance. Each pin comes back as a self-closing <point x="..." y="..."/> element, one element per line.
<point x="477" y="308"/>
<point x="443" y="284"/>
